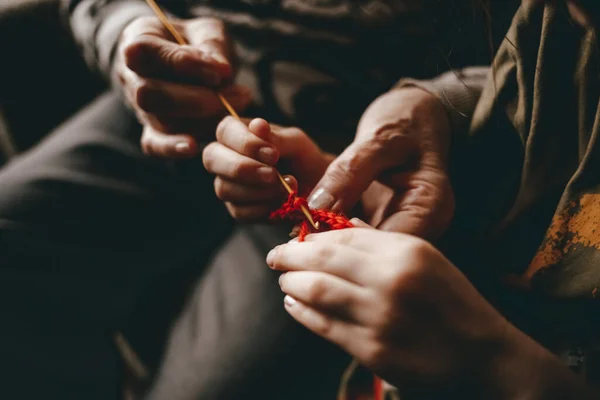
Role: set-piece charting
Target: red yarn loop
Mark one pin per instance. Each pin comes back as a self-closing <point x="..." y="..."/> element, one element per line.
<point x="292" y="210"/>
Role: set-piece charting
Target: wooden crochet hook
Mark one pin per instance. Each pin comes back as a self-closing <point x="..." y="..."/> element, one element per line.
<point x="165" y="21"/>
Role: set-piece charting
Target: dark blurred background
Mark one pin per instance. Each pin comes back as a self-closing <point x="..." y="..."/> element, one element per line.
<point x="43" y="79"/>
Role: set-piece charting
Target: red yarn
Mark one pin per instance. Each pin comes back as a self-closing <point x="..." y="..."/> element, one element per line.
<point x="378" y="392"/>
<point x="328" y="220"/>
<point x="292" y="210"/>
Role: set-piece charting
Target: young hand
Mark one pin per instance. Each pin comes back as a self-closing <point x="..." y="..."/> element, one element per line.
<point x="244" y="158"/>
<point x="394" y="302"/>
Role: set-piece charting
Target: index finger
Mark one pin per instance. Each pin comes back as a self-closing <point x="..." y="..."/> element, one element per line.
<point x="247" y="141"/>
<point x="151" y="56"/>
<point x="341" y="261"/>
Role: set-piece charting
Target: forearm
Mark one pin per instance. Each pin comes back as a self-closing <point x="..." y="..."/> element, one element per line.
<point x="524" y="370"/>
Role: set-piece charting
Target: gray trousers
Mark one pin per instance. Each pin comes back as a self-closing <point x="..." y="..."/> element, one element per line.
<point x="96" y="238"/>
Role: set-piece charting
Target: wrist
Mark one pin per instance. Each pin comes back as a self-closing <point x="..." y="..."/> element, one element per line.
<point x="523" y="369"/>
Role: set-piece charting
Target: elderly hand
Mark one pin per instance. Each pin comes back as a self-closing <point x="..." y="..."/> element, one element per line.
<point x="397" y="164"/>
<point x="244" y="157"/>
<point x="404" y="311"/>
<point x="172" y="87"/>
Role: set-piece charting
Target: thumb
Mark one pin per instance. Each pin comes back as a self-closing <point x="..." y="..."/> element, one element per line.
<point x="158" y="58"/>
<point x="209" y="36"/>
<point x="350" y="174"/>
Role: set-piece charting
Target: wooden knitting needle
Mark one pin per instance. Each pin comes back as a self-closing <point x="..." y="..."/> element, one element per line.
<point x="165" y="21"/>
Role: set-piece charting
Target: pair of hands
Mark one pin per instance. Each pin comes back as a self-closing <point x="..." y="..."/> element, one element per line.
<point x="395" y="168"/>
<point x="391" y="300"/>
<point x="401" y="141"/>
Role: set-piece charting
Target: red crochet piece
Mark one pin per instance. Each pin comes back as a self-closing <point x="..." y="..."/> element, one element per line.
<point x="292" y="210"/>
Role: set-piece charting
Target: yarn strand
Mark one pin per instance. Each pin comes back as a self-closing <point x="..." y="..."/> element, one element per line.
<point x="292" y="210"/>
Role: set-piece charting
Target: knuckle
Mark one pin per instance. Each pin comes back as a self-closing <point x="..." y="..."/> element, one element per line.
<point x="208" y="156"/>
<point x="137" y="52"/>
<point x="393" y="139"/>
<point x="323" y="325"/>
<point x="409" y="260"/>
<point x="174" y="56"/>
<point x="396" y="280"/>
<point x="222" y="128"/>
<point x="346" y="168"/>
<point x="322" y="253"/>
<point x="249" y="146"/>
<point x="166" y="126"/>
<point x="142" y="22"/>
<point x="220" y="189"/>
<point x="346" y="236"/>
<point x="144" y="93"/>
<point x="238" y="170"/>
<point x="395" y="131"/>
<point x="132" y="48"/>
<point x="375" y="355"/>
<point x="417" y="249"/>
<point x="386" y="320"/>
<point x="316" y="291"/>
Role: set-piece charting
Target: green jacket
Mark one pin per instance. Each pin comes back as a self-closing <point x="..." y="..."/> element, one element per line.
<point x="526" y="174"/>
<point x="526" y="171"/>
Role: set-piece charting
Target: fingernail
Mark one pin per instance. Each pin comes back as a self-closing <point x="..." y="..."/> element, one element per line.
<point x="271" y="257"/>
<point x="320" y="199"/>
<point x="182" y="147"/>
<point x="266" y="174"/>
<point x="280" y="279"/>
<point x="268" y="155"/>
<point x="289" y="301"/>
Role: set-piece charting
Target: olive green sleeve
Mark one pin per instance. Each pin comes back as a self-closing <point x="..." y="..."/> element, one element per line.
<point x="459" y="91"/>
